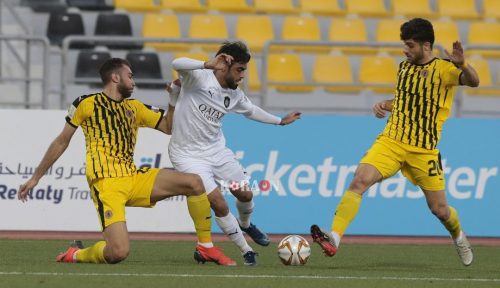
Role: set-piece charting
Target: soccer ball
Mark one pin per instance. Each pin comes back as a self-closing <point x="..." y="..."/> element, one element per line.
<point x="294" y="250"/>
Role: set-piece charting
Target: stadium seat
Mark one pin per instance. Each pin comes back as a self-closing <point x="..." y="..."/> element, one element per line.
<point x="253" y="78"/>
<point x="137" y="5"/>
<point x="183" y="6"/>
<point x="111" y="24"/>
<point x="349" y="30"/>
<point x="47" y="6"/>
<point x="205" y="26"/>
<point x="413" y="8"/>
<point x="233" y="6"/>
<point x="254" y="30"/>
<point x="88" y="64"/>
<point x="491" y="9"/>
<point x="193" y="55"/>
<point x="301" y="28"/>
<point x="387" y="32"/>
<point x="275" y="6"/>
<point x="62" y="24"/>
<point x="335" y="73"/>
<point x="373" y="8"/>
<point x="463" y="9"/>
<point x="484" y="33"/>
<point x="91" y="5"/>
<point x="446" y="32"/>
<point x="285" y="70"/>
<point x="483" y="71"/>
<point x="162" y="26"/>
<point x="146" y="68"/>
<point x="321" y="7"/>
<point x="378" y="73"/>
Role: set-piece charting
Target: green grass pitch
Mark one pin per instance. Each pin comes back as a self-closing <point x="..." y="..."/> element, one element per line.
<point x="30" y="263"/>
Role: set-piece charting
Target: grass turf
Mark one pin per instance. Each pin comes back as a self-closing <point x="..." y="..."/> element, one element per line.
<point x="30" y="263"/>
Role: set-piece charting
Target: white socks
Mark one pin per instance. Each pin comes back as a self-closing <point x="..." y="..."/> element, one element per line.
<point x="229" y="225"/>
<point x="335" y="238"/>
<point x="245" y="210"/>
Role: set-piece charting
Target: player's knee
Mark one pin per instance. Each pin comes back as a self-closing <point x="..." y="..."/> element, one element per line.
<point x="442" y="212"/>
<point x="196" y="185"/>
<point x="359" y="184"/>
<point x="118" y="254"/>
<point x="245" y="196"/>
<point x="220" y="208"/>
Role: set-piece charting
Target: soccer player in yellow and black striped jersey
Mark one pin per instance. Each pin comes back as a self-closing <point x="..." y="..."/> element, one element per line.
<point x="422" y="103"/>
<point x="110" y="121"/>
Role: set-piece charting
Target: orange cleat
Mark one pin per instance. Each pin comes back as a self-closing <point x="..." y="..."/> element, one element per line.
<point x="69" y="255"/>
<point x="214" y="254"/>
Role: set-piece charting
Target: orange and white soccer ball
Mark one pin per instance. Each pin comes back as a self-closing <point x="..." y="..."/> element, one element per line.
<point x="294" y="250"/>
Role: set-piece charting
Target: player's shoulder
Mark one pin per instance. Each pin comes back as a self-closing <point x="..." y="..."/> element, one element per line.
<point x="445" y="62"/>
<point x="84" y="98"/>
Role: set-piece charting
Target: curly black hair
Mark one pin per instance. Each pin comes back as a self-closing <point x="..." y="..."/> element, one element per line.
<point x="419" y="30"/>
<point x="237" y="49"/>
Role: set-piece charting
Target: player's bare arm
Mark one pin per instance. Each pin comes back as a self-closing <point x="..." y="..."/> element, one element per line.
<point x="55" y="150"/>
<point x="290" y="118"/>
<point x="380" y="109"/>
<point x="469" y="76"/>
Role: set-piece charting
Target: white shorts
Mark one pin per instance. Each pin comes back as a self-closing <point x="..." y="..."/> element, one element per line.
<point x="222" y="167"/>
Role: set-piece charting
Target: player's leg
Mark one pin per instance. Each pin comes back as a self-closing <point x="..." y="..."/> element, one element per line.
<point x="381" y="161"/>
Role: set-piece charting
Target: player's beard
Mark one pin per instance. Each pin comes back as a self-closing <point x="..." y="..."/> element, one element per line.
<point x="417" y="58"/>
<point x="230" y="82"/>
<point x="124" y="91"/>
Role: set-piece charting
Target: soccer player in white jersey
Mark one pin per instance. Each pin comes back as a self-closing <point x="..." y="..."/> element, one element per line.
<point x="210" y="91"/>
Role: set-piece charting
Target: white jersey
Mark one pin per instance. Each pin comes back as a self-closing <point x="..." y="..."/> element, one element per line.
<point x="199" y="112"/>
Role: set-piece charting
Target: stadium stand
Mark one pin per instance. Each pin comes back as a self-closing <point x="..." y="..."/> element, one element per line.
<point x="233" y="6"/>
<point x="183" y="6"/>
<point x="165" y="26"/>
<point x="90" y="5"/>
<point x="287" y="69"/>
<point x="301" y="28"/>
<point x="255" y="30"/>
<point x="321" y="7"/>
<point x="88" y="64"/>
<point x="46" y="6"/>
<point x="446" y="32"/>
<point x="483" y="70"/>
<point x="203" y="26"/>
<point x="62" y="24"/>
<point x="372" y="8"/>
<point x="137" y="5"/>
<point x="491" y="9"/>
<point x="337" y="79"/>
<point x="147" y="69"/>
<point x="349" y="30"/>
<point x="484" y="33"/>
<point x="253" y="77"/>
<point x="413" y="8"/>
<point x="275" y="6"/>
<point x="387" y="31"/>
<point x="463" y="9"/>
<point x="115" y="24"/>
<point x="377" y="72"/>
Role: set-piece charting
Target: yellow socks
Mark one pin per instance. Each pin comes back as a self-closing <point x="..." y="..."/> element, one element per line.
<point x="94" y="254"/>
<point x="199" y="209"/>
<point x="346" y="211"/>
<point x="453" y="223"/>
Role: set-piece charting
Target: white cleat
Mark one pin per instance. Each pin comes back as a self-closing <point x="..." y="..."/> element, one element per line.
<point x="464" y="249"/>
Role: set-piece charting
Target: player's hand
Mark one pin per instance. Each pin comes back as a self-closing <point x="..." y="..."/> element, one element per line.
<point x="290" y="118"/>
<point x="173" y="86"/>
<point x="457" y="55"/>
<point x="379" y="109"/>
<point x="220" y="62"/>
<point x="24" y="189"/>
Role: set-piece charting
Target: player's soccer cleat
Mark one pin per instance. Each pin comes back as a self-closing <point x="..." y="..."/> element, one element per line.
<point x="249" y="258"/>
<point x="213" y="254"/>
<point x="257" y="236"/>
<point x="69" y="255"/>
<point x="324" y="240"/>
<point x="464" y="249"/>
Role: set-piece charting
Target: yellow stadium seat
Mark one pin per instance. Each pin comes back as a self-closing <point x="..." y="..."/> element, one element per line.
<point x="232" y="6"/>
<point x="349" y="30"/>
<point x="162" y="26"/>
<point x="321" y="7"/>
<point x="254" y="30"/>
<point x="483" y="71"/>
<point x="366" y="8"/>
<point x="137" y="5"/>
<point x="205" y="26"/>
<point x="301" y="28"/>
<point x="491" y="9"/>
<point x="253" y="78"/>
<point x="378" y="73"/>
<point x="388" y="31"/>
<point x="484" y="33"/>
<point x="413" y="8"/>
<point x="445" y="33"/>
<point x="193" y="55"/>
<point x="335" y="73"/>
<point x="463" y="9"/>
<point x="183" y="5"/>
<point x="286" y="70"/>
<point x="275" y="6"/>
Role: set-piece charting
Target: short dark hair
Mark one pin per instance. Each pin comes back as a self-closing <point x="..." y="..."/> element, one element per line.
<point x="237" y="49"/>
<point x="110" y="66"/>
<point x="419" y="30"/>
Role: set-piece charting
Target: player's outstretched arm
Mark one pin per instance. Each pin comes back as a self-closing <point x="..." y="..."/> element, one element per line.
<point x="55" y="150"/>
<point x="469" y="76"/>
<point x="380" y="109"/>
<point x="290" y="118"/>
<point x="167" y="122"/>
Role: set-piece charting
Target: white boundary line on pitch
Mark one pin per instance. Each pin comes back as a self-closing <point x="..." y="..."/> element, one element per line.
<point x="3" y="273"/>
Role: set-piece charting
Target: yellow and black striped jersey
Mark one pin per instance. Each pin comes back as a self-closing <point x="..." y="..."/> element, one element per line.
<point x="110" y="129"/>
<point x="422" y="103"/>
